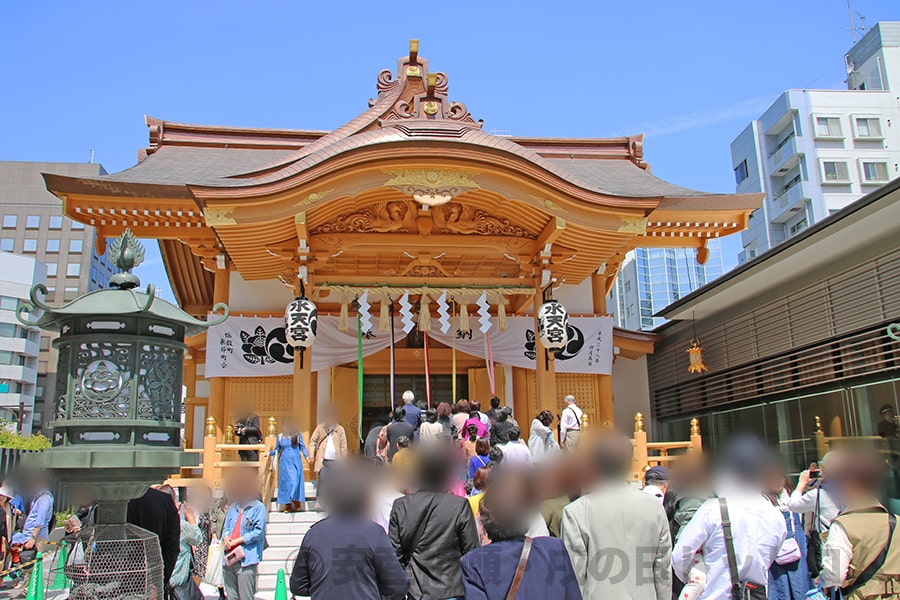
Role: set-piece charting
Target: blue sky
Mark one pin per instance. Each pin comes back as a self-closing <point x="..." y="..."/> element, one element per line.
<point x="79" y="76"/>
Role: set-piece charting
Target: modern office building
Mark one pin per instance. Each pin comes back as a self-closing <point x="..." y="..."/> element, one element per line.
<point x="19" y="345"/>
<point x="813" y="152"/>
<point x="650" y="279"/>
<point x="33" y="225"/>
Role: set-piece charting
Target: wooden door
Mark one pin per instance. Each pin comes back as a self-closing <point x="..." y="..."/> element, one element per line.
<point x="345" y="398"/>
<point x="480" y="386"/>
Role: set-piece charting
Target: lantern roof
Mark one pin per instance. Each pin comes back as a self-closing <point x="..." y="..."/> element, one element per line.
<point x="120" y="299"/>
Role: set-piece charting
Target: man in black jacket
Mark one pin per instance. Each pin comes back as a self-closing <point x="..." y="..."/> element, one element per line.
<point x="431" y="530"/>
<point x="155" y="511"/>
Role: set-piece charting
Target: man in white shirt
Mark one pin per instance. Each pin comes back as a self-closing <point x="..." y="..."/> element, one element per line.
<point x="570" y="424"/>
<point x="812" y="491"/>
<point x="514" y="451"/>
<point x="758" y="528"/>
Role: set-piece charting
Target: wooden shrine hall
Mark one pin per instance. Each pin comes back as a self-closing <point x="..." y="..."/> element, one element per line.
<point x="410" y="201"/>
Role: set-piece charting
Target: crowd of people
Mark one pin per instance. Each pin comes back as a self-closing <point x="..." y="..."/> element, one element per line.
<point x="453" y="503"/>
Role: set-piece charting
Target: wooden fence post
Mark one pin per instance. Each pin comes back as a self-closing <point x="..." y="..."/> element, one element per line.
<point x="696" y="438"/>
<point x="641" y="454"/>
<point x="211" y="474"/>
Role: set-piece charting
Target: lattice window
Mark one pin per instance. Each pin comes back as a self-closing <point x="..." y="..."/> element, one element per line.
<point x="582" y="386"/>
<point x="271" y="396"/>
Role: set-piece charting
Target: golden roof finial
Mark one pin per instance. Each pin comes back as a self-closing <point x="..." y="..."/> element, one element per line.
<point x="413" y="51"/>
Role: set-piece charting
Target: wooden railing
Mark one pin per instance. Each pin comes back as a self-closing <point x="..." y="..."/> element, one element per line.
<point x="650" y="454"/>
<point x="217" y="457"/>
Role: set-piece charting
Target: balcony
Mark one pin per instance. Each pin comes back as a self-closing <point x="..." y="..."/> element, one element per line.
<point x="784" y="156"/>
<point x="790" y="201"/>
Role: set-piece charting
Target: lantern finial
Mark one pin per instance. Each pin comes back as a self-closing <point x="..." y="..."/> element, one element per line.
<point x="210" y="427"/>
<point x="272" y="429"/>
<point x="229" y="434"/>
<point x="638" y="423"/>
<point x="695" y="426"/>
<point x="127" y="254"/>
<point x="818" y="424"/>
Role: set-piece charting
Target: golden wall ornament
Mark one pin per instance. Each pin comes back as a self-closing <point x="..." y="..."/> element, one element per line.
<point x="313" y="198"/>
<point x="548" y="203"/>
<point x="695" y="353"/>
<point x="636" y="225"/>
<point x="382" y="217"/>
<point x="431" y="187"/>
<point x="216" y="217"/>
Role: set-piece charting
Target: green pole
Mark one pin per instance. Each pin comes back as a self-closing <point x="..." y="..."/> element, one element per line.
<point x="60" y="582"/>
<point x="36" y="584"/>
<point x="359" y="371"/>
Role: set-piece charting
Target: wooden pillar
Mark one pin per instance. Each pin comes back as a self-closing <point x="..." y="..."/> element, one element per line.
<point x="212" y="474"/>
<point x="545" y="370"/>
<point x="605" y="410"/>
<point x="218" y="385"/>
<point x="189" y="376"/>
<point x="305" y="399"/>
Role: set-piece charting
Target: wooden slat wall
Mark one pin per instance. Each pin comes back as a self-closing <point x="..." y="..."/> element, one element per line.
<point x="830" y="330"/>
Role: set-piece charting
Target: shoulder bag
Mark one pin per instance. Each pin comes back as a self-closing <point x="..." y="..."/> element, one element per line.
<point x="789" y="553"/>
<point x="876" y="564"/>
<point x="740" y="590"/>
<point x="520" y="570"/>
<point x="814" y="542"/>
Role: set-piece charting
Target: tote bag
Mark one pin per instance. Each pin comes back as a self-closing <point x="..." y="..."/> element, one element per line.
<point x="214" y="563"/>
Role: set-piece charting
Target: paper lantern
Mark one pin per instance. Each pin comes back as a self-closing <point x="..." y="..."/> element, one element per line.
<point x="300" y="321"/>
<point x="553" y="325"/>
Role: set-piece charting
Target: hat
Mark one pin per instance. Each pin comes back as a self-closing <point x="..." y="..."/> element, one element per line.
<point x="657" y="473"/>
<point x="6" y="492"/>
<point x="887" y="408"/>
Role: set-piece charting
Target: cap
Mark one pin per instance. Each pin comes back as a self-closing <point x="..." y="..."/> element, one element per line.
<point x="887" y="408"/>
<point x="657" y="473"/>
<point x="5" y="491"/>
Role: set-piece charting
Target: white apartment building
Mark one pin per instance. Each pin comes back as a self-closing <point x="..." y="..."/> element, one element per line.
<point x="19" y="345"/>
<point x="813" y="152"/>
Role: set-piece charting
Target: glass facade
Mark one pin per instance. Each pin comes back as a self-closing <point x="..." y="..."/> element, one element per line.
<point x="790" y="425"/>
<point x="659" y="277"/>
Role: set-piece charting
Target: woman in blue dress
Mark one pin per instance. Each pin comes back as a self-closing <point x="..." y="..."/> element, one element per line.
<point x="288" y="448"/>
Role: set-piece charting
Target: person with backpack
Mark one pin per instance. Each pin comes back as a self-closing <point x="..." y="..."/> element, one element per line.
<point x="570" y="424"/>
<point x="861" y="556"/>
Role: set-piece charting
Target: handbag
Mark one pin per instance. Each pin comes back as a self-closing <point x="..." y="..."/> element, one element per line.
<point x="520" y="570"/>
<point x="814" y="543"/>
<point x="789" y="553"/>
<point x="740" y="590"/>
<point x="215" y="559"/>
<point x="235" y="556"/>
<point x="187" y="591"/>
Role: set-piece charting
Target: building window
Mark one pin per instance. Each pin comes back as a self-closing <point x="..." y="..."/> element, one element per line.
<point x="71" y="292"/>
<point x="76" y="226"/>
<point x="52" y="245"/>
<point x="7" y="303"/>
<point x="868" y="128"/>
<point x="56" y="222"/>
<point x="11" y="358"/>
<point x="7" y="245"/>
<point x="10" y="221"/>
<point x="76" y="245"/>
<point x="32" y="222"/>
<point x="828" y="127"/>
<point x="30" y="246"/>
<point x="73" y="270"/>
<point x="874" y="172"/>
<point x="834" y="171"/>
<point x="798" y="226"/>
<point x="51" y="269"/>
<point x="45" y="342"/>
<point x="741" y="172"/>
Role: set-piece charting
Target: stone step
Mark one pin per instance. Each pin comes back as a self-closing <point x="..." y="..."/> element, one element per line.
<point x="287" y="529"/>
<point x="280" y="553"/>
<point x="310" y="516"/>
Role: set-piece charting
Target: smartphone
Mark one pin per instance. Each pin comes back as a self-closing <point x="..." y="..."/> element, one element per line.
<point x="817" y="474"/>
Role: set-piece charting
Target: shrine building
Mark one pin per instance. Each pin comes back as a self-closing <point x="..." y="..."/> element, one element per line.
<point x="426" y="243"/>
